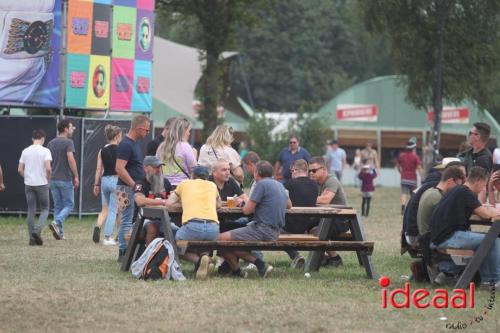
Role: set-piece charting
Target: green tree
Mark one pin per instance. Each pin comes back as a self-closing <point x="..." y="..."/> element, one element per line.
<point x="303" y="53"/>
<point x="216" y="20"/>
<point x="445" y="49"/>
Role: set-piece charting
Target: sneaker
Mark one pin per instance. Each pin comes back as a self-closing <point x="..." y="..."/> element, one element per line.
<point x="443" y="279"/>
<point x="250" y="267"/>
<point x="108" y="242"/>
<point x="96" y="235"/>
<point x="335" y="261"/>
<point x="265" y="271"/>
<point x="298" y="262"/>
<point x="224" y="268"/>
<point x="240" y="274"/>
<point x="55" y="230"/>
<point x="36" y="237"/>
<point x="203" y="267"/>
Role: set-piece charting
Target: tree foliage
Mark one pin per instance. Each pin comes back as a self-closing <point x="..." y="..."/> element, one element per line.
<point x="215" y="20"/>
<point x="471" y="43"/>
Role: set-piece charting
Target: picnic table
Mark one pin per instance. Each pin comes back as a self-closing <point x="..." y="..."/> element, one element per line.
<point x="472" y="267"/>
<point x="353" y="241"/>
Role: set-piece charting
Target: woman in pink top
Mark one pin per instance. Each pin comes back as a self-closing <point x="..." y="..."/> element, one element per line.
<point x="177" y="154"/>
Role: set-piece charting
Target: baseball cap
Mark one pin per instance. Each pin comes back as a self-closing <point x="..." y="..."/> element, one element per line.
<point x="201" y="171"/>
<point x="448" y="161"/>
<point x="152" y="161"/>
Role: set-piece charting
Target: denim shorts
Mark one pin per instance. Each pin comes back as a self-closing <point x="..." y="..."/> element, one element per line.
<point x="197" y="229"/>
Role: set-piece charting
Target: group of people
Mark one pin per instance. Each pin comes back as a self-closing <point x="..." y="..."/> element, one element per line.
<point x="438" y="214"/>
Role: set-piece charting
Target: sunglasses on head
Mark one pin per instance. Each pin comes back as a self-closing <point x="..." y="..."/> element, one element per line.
<point x="315" y="170"/>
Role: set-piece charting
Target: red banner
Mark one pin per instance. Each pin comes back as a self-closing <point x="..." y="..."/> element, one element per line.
<point x="451" y="115"/>
<point x="357" y="112"/>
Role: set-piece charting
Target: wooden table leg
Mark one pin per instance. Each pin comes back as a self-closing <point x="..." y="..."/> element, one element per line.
<point x="132" y="245"/>
<point x="169" y="235"/>
<point x="313" y="261"/>
<point x="479" y="255"/>
<point x="358" y="234"/>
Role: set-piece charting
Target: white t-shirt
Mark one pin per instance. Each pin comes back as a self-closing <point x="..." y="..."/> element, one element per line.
<point x="208" y="157"/>
<point x="34" y="158"/>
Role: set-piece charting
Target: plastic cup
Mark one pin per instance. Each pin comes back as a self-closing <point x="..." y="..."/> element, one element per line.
<point x="230" y="202"/>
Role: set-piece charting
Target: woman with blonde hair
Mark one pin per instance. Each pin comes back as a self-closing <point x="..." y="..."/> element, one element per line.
<point x="177" y="154"/>
<point x="218" y="146"/>
<point x="105" y="183"/>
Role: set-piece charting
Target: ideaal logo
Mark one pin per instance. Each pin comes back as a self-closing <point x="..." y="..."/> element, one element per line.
<point x="421" y="298"/>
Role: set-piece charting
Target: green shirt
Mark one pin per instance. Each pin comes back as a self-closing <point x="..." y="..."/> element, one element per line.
<point x="332" y="183"/>
<point x="428" y="202"/>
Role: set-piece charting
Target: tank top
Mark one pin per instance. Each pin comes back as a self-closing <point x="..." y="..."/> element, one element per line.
<point x="108" y="156"/>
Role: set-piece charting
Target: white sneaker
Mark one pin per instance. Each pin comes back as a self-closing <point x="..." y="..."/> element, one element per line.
<point x="249" y="267"/>
<point x="108" y="242"/>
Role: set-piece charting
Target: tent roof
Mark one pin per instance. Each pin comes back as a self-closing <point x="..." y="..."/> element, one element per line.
<point x="176" y="71"/>
<point x="394" y="112"/>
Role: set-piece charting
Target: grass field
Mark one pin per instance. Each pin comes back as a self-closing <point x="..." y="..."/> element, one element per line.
<point x="77" y="286"/>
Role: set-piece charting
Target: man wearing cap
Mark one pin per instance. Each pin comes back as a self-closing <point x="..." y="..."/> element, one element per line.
<point x="336" y="159"/>
<point x="408" y="165"/>
<point x="199" y="198"/>
<point x="152" y="190"/>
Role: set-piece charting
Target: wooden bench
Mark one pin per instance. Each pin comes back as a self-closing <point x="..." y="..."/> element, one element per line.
<point x="305" y="245"/>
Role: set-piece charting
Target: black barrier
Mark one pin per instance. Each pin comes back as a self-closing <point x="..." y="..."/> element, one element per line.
<point x="93" y="140"/>
<point x="15" y="135"/>
<point x="88" y="138"/>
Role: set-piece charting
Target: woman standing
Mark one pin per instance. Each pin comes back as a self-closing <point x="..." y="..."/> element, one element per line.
<point x="177" y="154"/>
<point x="218" y="146"/>
<point x="105" y="182"/>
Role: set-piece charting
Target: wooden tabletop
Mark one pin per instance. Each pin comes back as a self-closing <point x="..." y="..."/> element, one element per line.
<point x="320" y="211"/>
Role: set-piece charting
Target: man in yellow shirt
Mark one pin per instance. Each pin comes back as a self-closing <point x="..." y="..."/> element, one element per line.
<point x="199" y="199"/>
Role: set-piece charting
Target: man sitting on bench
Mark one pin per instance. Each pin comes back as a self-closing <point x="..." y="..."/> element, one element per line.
<point x="330" y="192"/>
<point x="268" y="203"/>
<point x="152" y="190"/>
<point x="303" y="192"/>
<point x="199" y="199"/>
<point x="451" y="177"/>
<point x="450" y="227"/>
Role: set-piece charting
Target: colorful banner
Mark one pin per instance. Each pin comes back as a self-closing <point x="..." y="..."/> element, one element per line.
<point x="144" y="41"/>
<point x="29" y="53"/>
<point x="110" y="52"/>
<point x="124" y="32"/>
<point x="143" y="89"/>
<point x="450" y="115"/>
<point x="98" y="83"/>
<point x="77" y="70"/>
<point x="121" y="84"/>
<point x="357" y="112"/>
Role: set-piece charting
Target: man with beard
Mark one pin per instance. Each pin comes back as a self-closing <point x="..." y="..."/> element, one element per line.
<point x="152" y="190"/>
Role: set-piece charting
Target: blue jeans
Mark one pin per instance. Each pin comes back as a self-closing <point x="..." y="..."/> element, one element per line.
<point x="490" y="267"/>
<point x="198" y="230"/>
<point x="63" y="197"/>
<point x="108" y="197"/>
<point x="127" y="216"/>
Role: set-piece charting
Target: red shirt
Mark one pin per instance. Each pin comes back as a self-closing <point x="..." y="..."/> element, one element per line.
<point x="408" y="162"/>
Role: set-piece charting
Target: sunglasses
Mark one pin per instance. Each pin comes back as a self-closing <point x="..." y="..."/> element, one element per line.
<point x="315" y="170"/>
